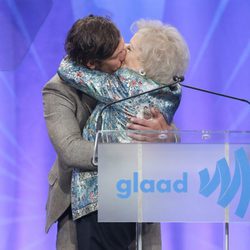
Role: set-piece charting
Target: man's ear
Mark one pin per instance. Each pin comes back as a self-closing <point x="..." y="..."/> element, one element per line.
<point x="91" y="65"/>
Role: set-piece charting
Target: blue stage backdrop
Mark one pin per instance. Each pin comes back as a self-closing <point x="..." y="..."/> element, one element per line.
<point x="32" y="38"/>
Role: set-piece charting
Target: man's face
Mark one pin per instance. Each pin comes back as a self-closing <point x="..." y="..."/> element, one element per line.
<point x="114" y="62"/>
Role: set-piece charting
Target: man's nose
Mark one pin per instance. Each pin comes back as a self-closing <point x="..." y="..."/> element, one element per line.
<point x="123" y="54"/>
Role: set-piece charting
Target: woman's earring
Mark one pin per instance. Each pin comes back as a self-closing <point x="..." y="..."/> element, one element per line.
<point x="142" y="72"/>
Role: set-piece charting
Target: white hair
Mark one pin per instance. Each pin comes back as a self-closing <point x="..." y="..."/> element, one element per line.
<point x="164" y="52"/>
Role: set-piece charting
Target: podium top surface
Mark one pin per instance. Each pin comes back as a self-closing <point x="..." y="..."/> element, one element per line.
<point x="177" y="136"/>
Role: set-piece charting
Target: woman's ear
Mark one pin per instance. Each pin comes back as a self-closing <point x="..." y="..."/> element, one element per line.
<point x="91" y="65"/>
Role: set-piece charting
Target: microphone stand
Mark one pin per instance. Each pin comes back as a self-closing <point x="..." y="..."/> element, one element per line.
<point x="177" y="80"/>
<point x="215" y="93"/>
<point x="181" y="79"/>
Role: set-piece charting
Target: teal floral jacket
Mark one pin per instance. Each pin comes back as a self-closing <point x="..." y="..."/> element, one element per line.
<point x="108" y="88"/>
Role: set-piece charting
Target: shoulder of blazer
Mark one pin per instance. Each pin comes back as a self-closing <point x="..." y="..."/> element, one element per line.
<point x="56" y="85"/>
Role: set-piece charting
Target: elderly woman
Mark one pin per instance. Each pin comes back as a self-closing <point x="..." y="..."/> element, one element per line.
<point x="156" y="53"/>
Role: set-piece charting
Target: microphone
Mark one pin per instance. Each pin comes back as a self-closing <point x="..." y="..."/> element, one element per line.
<point x="177" y="79"/>
<point x="181" y="78"/>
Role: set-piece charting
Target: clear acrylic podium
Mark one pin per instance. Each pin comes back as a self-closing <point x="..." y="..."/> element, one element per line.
<point x="178" y="176"/>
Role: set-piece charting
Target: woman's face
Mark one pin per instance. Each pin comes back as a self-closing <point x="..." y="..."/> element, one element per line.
<point x="132" y="60"/>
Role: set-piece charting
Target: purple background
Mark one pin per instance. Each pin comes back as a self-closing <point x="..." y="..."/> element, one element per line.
<point x="32" y="36"/>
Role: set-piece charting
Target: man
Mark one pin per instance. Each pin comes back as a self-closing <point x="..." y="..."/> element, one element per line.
<point x="66" y="111"/>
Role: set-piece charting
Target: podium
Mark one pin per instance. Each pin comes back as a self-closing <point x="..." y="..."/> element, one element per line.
<point x="176" y="176"/>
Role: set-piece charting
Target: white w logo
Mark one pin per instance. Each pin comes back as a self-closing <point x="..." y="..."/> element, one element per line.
<point x="229" y="187"/>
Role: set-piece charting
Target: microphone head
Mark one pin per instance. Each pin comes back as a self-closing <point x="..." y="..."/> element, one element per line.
<point x="178" y="78"/>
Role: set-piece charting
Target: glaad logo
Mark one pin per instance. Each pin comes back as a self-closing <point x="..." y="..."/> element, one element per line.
<point x="125" y="186"/>
<point x="229" y="187"/>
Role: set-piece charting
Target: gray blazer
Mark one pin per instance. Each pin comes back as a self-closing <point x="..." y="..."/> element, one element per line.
<point x="66" y="111"/>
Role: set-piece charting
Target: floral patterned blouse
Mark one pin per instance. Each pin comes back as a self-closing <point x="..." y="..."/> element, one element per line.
<point x="108" y="88"/>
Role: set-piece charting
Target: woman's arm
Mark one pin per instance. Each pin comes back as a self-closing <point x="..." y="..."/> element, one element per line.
<point x="102" y="86"/>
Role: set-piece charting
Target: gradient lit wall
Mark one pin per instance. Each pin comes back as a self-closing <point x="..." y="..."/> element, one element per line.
<point x="32" y="36"/>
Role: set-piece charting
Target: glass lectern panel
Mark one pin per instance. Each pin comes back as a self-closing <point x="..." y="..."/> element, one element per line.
<point x="178" y="176"/>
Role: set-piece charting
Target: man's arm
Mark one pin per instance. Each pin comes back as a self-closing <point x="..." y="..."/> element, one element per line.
<point x="157" y="122"/>
<point x="64" y="129"/>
